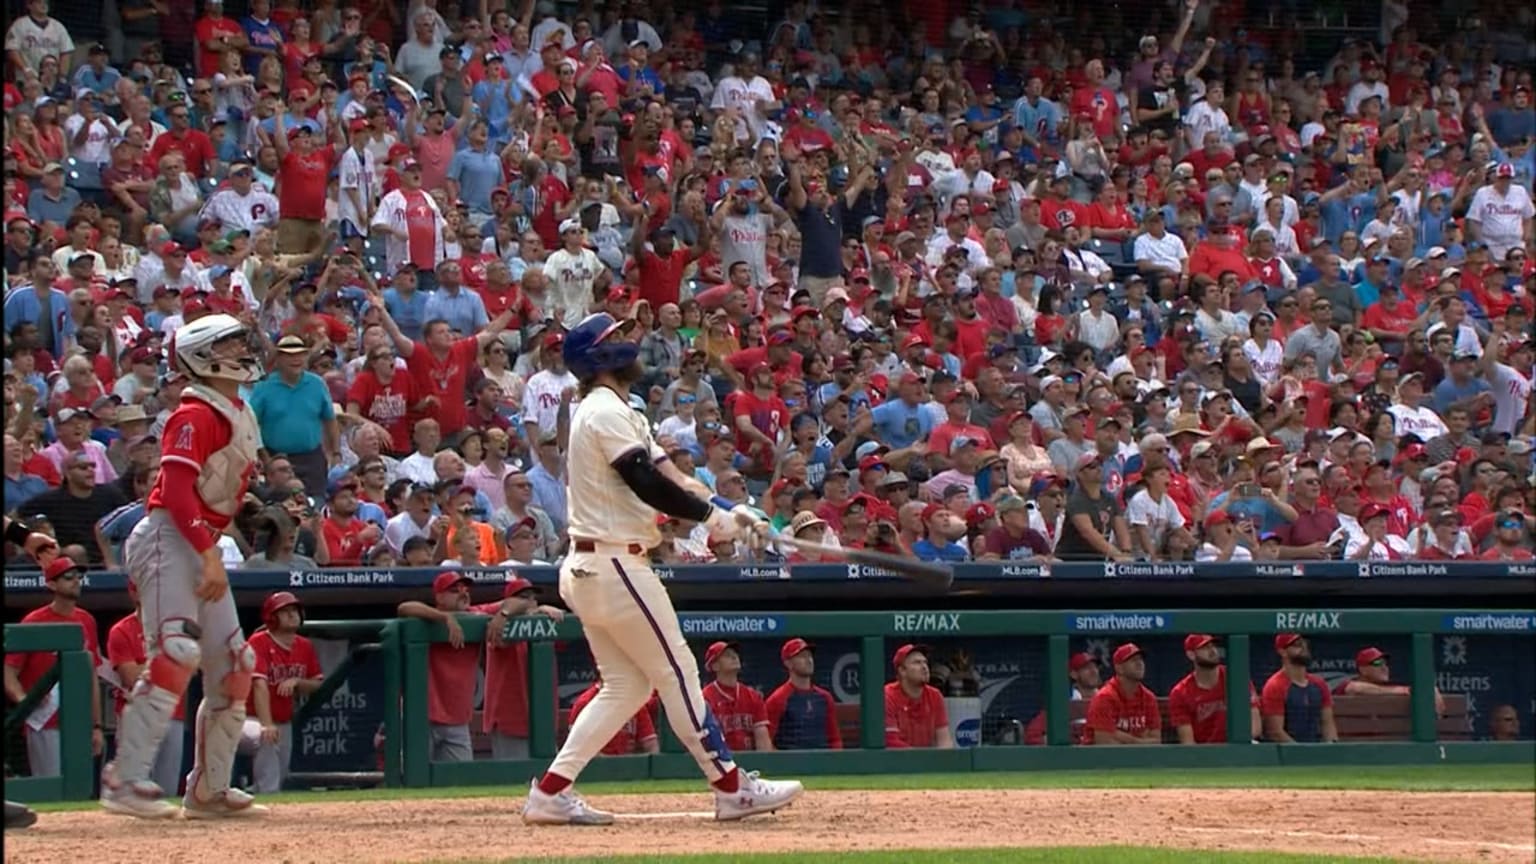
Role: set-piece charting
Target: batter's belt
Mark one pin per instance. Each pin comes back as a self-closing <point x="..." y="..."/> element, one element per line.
<point x="591" y="546"/>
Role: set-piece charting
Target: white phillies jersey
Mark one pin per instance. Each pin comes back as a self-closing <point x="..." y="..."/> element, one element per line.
<point x="1501" y="215"/>
<point x="601" y="506"/>
<point x="255" y="209"/>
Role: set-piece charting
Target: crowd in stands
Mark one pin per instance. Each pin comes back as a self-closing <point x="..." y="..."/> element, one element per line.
<point x="1165" y="281"/>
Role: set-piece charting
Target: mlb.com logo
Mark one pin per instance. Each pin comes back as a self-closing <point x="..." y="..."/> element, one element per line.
<point x="1492" y="622"/>
<point x="1115" y="622"/>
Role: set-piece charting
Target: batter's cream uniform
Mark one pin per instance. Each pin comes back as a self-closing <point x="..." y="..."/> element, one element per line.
<point x="625" y="612"/>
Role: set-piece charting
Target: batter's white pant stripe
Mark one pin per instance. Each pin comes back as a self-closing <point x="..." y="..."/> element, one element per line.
<point x="682" y="683"/>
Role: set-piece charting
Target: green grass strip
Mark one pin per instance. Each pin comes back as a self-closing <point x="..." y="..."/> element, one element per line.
<point x="1039" y="855"/>
<point x="1405" y="778"/>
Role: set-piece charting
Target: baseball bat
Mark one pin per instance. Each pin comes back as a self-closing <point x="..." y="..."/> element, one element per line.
<point x="925" y="573"/>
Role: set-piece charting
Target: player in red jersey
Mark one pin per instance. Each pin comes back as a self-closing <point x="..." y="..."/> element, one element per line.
<point x="208" y="451"/>
<point x="740" y="709"/>
<point x="1124" y="711"/>
<point x="915" y="715"/>
<point x="637" y="735"/>
<point x="45" y="551"/>
<point x="1295" y="705"/>
<point x="286" y="667"/>
<point x="1197" y="705"/>
<point x="64" y="580"/>
<point x="127" y="656"/>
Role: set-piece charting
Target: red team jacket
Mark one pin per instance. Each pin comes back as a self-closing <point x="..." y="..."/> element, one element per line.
<point x="637" y="729"/>
<point x="739" y="710"/>
<point x="125" y="644"/>
<point x="1205" y="711"/>
<point x="31" y="667"/>
<point x="278" y="664"/>
<point x="1111" y="709"/>
<point x="913" y="722"/>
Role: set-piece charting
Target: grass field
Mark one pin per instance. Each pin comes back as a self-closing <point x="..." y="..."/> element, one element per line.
<point x="1052" y="855"/>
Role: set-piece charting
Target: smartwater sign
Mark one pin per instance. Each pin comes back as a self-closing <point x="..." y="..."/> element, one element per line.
<point x="1492" y="622"/>
<point x="1120" y="622"/>
<point x="731" y="625"/>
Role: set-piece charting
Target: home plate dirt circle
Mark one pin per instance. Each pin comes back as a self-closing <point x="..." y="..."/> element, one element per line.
<point x="1487" y="828"/>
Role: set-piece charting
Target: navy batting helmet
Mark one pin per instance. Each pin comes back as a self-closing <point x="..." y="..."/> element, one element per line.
<point x="595" y="345"/>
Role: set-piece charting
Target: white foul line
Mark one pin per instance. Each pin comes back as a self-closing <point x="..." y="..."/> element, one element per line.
<point x="701" y="814"/>
<point x="1368" y="838"/>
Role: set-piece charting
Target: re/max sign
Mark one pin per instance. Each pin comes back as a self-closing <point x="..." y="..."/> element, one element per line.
<point x="926" y="622"/>
<point x="1307" y="621"/>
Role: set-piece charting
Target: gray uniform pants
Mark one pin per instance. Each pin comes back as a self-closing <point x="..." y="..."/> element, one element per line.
<point x="166" y="569"/>
<point x="451" y="743"/>
<point x="270" y="762"/>
<point x="43" y="752"/>
<point x="508" y="747"/>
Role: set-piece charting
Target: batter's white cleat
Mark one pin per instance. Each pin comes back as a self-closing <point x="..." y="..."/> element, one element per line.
<point x="140" y="798"/>
<point x="566" y="808"/>
<point x="755" y="796"/>
<point x="232" y="804"/>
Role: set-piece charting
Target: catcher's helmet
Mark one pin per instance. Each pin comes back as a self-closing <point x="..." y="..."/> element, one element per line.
<point x="278" y="602"/>
<point x="596" y="345"/>
<point x="192" y="350"/>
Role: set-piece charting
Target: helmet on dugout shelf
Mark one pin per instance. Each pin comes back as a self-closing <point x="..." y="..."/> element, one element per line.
<point x="597" y="344"/>
<point x="193" y="345"/>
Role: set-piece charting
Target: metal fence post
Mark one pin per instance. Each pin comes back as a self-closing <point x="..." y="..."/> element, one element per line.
<point x="76" y="761"/>
<point x="872" y="693"/>
<point x="542" y="705"/>
<point x="417" y="749"/>
<point x="394" y="697"/>
<point x="1422" y="695"/>
<point x="1058" y="724"/>
<point x="1239" y="715"/>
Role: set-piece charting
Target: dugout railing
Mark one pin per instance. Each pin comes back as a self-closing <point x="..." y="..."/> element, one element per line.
<point x="67" y="688"/>
<point x="404" y="646"/>
<point x="879" y="632"/>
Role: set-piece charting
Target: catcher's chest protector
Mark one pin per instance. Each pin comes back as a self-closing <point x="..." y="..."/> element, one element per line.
<point x="224" y="475"/>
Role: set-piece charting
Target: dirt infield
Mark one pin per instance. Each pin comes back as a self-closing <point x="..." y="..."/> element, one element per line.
<point x="1489" y="828"/>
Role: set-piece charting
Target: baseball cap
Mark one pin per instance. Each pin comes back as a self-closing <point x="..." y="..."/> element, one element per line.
<point x="908" y="650"/>
<point x="515" y="586"/>
<point x="1126" y="652"/>
<point x="715" y="649"/>
<point x="1218" y="517"/>
<point x="1286" y="640"/>
<point x="292" y="344"/>
<point x="1369" y="655"/>
<point x="793" y="647"/>
<point x="448" y="580"/>
<point x="1196" y="641"/>
<point x="1371" y="511"/>
<point x="67" y="414"/>
<point x="1079" y="660"/>
<point x="59" y="566"/>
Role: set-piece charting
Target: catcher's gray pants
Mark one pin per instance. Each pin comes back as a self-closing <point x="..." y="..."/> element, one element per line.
<point x="166" y="570"/>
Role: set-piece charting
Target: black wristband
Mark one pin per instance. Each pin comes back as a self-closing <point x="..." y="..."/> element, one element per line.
<point x="17" y="533"/>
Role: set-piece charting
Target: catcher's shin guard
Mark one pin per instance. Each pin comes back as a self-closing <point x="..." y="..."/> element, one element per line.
<point x="153" y="700"/>
<point x="219" y="722"/>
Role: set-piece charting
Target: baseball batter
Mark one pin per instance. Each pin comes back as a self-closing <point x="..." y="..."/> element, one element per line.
<point x="620" y="481"/>
<point x="207" y="452"/>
